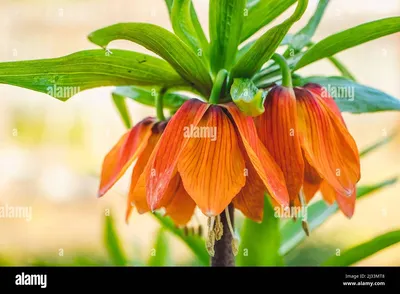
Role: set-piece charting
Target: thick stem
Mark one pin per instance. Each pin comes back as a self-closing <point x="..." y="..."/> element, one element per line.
<point x="223" y="248"/>
<point x="285" y="69"/>
<point x="160" y="105"/>
<point x="218" y="84"/>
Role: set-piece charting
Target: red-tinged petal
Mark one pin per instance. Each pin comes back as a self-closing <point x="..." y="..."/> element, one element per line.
<point x="326" y="143"/>
<point x="312" y="181"/>
<point x="181" y="207"/>
<point x="124" y="153"/>
<point x="139" y="196"/>
<point x="345" y="203"/>
<point x="168" y="150"/>
<point x="211" y="164"/>
<point x="268" y="171"/>
<point x="250" y="200"/>
<point x="278" y="131"/>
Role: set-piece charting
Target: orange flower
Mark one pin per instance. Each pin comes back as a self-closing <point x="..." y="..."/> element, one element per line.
<point x="207" y="155"/>
<point x="305" y="133"/>
<point x="138" y="144"/>
<point x="215" y="152"/>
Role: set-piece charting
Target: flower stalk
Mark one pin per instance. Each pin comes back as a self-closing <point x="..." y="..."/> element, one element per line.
<point x="285" y="69"/>
<point x="223" y="249"/>
<point x="218" y="84"/>
<point x="160" y="105"/>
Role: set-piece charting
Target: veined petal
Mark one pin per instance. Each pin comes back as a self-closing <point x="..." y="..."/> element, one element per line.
<point x="312" y="181"/>
<point x="164" y="159"/>
<point x="345" y="203"/>
<point x="250" y="200"/>
<point x="278" y="131"/>
<point x="211" y="164"/>
<point x="268" y="171"/>
<point x="128" y="148"/>
<point x="181" y="207"/>
<point x="326" y="143"/>
<point x="138" y="198"/>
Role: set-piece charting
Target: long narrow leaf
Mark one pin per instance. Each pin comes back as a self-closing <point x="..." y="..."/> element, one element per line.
<point x="362" y="251"/>
<point x="112" y="242"/>
<point x="303" y="37"/>
<point x="159" y="252"/>
<point x="259" y="245"/>
<point x="354" y="97"/>
<point x="264" y="48"/>
<point x="260" y="13"/>
<point x="147" y="96"/>
<point x="195" y="243"/>
<point x="317" y="213"/>
<point x="226" y="20"/>
<point x="120" y="104"/>
<point x="187" y="27"/>
<point x="378" y="144"/>
<point x="165" y="44"/>
<point x="350" y="38"/>
<point x="65" y="76"/>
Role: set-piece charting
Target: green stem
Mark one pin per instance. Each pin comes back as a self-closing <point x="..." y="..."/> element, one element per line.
<point x="218" y="84"/>
<point x="285" y="69"/>
<point x="159" y="104"/>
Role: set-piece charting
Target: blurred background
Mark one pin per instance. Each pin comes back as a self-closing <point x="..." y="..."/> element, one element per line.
<point x="51" y="152"/>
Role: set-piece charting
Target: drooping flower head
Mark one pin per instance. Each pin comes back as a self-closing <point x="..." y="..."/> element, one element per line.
<point x="306" y="135"/>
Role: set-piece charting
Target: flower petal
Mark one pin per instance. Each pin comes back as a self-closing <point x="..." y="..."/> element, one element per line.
<point x="312" y="181"/>
<point x="211" y="164"/>
<point x="345" y="203"/>
<point x="181" y="207"/>
<point x="124" y="153"/>
<point x="327" y="145"/>
<point x="164" y="159"/>
<point x="268" y="171"/>
<point x="278" y="131"/>
<point x="250" y="200"/>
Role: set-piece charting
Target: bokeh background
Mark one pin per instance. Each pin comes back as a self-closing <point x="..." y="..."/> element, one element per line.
<point x="51" y="152"/>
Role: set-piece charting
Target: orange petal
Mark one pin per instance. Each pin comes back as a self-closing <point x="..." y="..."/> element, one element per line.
<point x="250" y="200"/>
<point x="312" y="181"/>
<point x="124" y="153"/>
<point x="136" y="197"/>
<point x="327" y="145"/>
<point x="164" y="159"/>
<point x="268" y="171"/>
<point x="211" y="165"/>
<point x="181" y="207"/>
<point x="345" y="203"/>
<point x="277" y="129"/>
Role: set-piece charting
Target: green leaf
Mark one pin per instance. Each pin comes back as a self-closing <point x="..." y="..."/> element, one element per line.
<point x="169" y="4"/>
<point x="120" y="104"/>
<point x="362" y="251"/>
<point x="165" y="44"/>
<point x="195" y="243"/>
<point x="342" y="68"/>
<point x="385" y="140"/>
<point x="187" y="27"/>
<point x="147" y="96"/>
<point x="260" y="13"/>
<point x="65" y="76"/>
<point x="303" y="37"/>
<point x="317" y="213"/>
<point x="261" y="241"/>
<point x="248" y="97"/>
<point x="262" y="50"/>
<point x="353" y="97"/>
<point x="160" y="250"/>
<point x="226" y="20"/>
<point x="350" y="38"/>
<point x="112" y="242"/>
